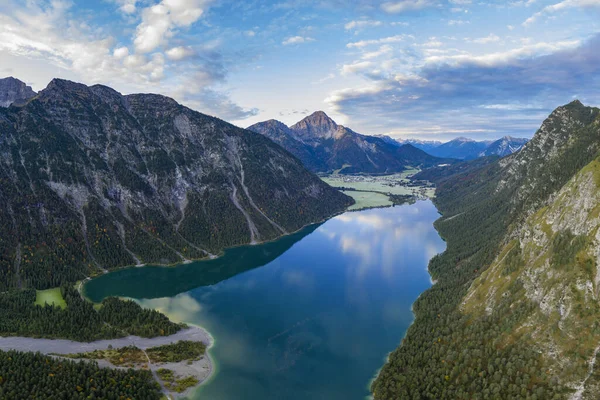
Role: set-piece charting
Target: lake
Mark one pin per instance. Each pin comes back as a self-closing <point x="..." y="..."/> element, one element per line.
<point x="312" y="315"/>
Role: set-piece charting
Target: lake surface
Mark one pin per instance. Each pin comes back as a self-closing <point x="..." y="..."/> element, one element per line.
<point x="310" y="316"/>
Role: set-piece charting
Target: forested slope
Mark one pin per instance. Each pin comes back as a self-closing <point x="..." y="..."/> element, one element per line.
<point x="93" y="180"/>
<point x="456" y="351"/>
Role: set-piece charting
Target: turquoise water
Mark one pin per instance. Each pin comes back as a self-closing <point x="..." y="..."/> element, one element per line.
<point x="310" y="316"/>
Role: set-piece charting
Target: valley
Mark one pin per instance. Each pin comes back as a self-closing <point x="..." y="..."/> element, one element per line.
<point x="380" y="190"/>
<point x="298" y="317"/>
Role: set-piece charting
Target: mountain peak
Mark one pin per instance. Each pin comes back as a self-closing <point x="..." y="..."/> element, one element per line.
<point x="316" y="125"/>
<point x="13" y="90"/>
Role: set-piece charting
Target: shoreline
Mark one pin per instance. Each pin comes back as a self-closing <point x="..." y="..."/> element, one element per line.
<point x="202" y="369"/>
<point x="433" y="283"/>
<point x="209" y="256"/>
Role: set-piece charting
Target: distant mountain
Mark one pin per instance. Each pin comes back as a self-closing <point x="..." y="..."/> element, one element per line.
<point x="425" y="145"/>
<point x="504" y="147"/>
<point x="13" y="90"/>
<point x="463" y="148"/>
<point x="460" y="148"/>
<point x="324" y="146"/>
<point x="93" y="180"/>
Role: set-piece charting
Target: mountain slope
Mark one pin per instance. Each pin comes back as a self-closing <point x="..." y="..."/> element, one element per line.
<point x="13" y="90"/>
<point x="473" y="334"/>
<point x="460" y="148"/>
<point x="324" y="146"/>
<point x="91" y="179"/>
<point x="503" y="147"/>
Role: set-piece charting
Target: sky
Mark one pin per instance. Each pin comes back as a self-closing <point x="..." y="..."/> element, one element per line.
<point x="427" y="69"/>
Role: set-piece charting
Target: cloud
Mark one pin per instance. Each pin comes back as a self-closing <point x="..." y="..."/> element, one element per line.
<point x="389" y="39"/>
<point x="453" y="22"/>
<point x="121" y="52"/>
<point x="491" y="38"/>
<point x="356" y="67"/>
<point x="397" y="7"/>
<point x="563" y="5"/>
<point x="360" y="24"/>
<point x="179" y="53"/>
<point x="160" y="21"/>
<point x="493" y="94"/>
<point x="297" y="40"/>
<point x="127" y="6"/>
<point x="50" y="41"/>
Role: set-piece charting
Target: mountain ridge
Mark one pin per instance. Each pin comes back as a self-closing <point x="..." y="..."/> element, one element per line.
<point x="492" y="323"/>
<point x="133" y="179"/>
<point x="325" y="146"/>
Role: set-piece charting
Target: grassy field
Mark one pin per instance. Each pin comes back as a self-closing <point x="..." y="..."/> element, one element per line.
<point x="368" y="200"/>
<point x="392" y="184"/>
<point x="50" y="296"/>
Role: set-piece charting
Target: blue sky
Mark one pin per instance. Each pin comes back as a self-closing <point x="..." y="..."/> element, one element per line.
<point x="429" y="69"/>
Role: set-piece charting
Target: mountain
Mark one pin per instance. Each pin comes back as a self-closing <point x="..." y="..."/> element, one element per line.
<point x="460" y="148"/>
<point x="503" y="147"/>
<point x="463" y="148"/>
<point x="515" y="309"/>
<point x="425" y="145"/>
<point x="324" y="146"/>
<point x="93" y="180"/>
<point x="13" y="90"/>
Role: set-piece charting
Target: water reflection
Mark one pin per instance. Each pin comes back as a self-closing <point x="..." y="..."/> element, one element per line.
<point x="316" y="320"/>
<point x="155" y="282"/>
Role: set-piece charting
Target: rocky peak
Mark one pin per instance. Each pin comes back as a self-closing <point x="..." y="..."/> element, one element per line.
<point x="262" y="127"/>
<point x="316" y="126"/>
<point x="13" y="90"/>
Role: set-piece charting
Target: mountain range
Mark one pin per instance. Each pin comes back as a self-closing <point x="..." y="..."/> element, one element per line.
<point x="324" y="146"/>
<point x="92" y="180"/>
<point x="515" y="310"/>
<point x="463" y="148"/>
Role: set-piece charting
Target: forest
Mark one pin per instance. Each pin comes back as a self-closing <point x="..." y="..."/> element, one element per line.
<point x="448" y="354"/>
<point x="79" y="321"/>
<point x="37" y="376"/>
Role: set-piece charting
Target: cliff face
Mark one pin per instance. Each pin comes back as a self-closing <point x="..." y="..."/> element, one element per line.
<point x="13" y="90"/>
<point x="91" y="179"/>
<point x="549" y="266"/>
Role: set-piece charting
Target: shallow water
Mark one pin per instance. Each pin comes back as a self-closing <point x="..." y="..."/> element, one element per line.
<point x="310" y="316"/>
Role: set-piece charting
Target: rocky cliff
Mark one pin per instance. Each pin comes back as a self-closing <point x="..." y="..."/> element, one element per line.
<point x="93" y="180"/>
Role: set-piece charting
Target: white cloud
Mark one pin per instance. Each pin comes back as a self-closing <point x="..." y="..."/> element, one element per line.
<point x="356" y="67"/>
<point x="453" y="22"/>
<point x="498" y="58"/>
<point x="389" y="39"/>
<point x="50" y="42"/>
<point x="383" y="50"/>
<point x="491" y="38"/>
<point x="160" y="21"/>
<point x="363" y="23"/>
<point x="297" y="40"/>
<point x="563" y="5"/>
<point x="433" y="42"/>
<point x="179" y="53"/>
<point x="121" y="52"/>
<point x="397" y="7"/>
<point x="127" y="6"/>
